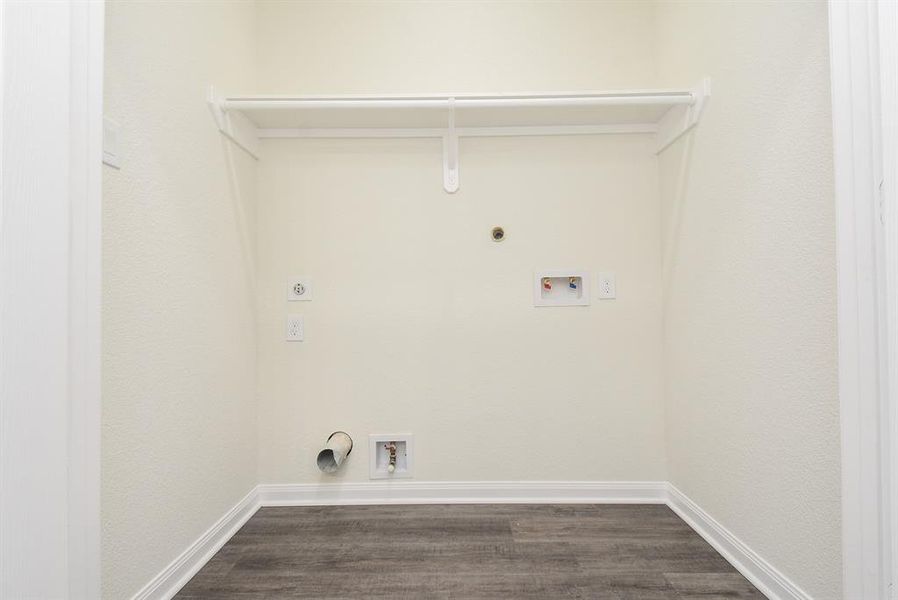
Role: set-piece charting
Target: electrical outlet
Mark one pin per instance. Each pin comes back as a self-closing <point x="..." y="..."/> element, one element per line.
<point x="299" y="289"/>
<point x="295" y="328"/>
<point x="607" y="287"/>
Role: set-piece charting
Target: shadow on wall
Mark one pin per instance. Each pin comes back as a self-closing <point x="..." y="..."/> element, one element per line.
<point x="678" y="209"/>
<point x="239" y="201"/>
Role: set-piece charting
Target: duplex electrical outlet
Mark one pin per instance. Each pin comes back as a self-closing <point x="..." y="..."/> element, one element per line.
<point x="607" y="287"/>
<point x="295" y="328"/>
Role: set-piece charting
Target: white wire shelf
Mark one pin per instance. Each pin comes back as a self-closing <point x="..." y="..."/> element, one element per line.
<point x="667" y="114"/>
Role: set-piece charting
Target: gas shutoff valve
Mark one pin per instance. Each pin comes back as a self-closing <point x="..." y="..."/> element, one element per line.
<point x="391" y="448"/>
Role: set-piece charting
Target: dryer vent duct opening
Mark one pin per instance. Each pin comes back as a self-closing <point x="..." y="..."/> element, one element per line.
<point x="335" y="451"/>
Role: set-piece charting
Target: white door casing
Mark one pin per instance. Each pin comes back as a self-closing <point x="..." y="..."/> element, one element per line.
<point x="51" y="58"/>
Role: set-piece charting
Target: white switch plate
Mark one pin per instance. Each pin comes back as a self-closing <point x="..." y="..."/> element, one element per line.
<point x="607" y="286"/>
<point x="295" y="328"/>
<point x="299" y="289"/>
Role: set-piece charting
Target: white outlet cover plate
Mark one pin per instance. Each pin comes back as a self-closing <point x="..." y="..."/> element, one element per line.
<point x="299" y="283"/>
<point x="295" y="330"/>
<point x="565" y="297"/>
<point x="380" y="472"/>
<point x="607" y="285"/>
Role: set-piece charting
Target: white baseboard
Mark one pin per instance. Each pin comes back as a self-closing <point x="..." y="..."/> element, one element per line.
<point x="176" y="575"/>
<point x="465" y="492"/>
<point x="762" y="574"/>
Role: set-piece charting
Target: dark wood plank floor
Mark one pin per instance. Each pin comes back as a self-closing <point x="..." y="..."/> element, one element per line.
<point x="614" y="552"/>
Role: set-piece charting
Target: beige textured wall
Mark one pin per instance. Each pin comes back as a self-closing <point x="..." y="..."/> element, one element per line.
<point x="419" y="322"/>
<point x="179" y="436"/>
<point x="749" y="282"/>
<point x="406" y="46"/>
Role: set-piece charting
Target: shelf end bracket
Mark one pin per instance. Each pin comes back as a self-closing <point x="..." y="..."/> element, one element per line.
<point x="233" y="126"/>
<point x="681" y="119"/>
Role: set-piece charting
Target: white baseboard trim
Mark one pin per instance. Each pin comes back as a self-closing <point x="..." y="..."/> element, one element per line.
<point x="176" y="575"/>
<point x="762" y="574"/>
<point x="465" y="492"/>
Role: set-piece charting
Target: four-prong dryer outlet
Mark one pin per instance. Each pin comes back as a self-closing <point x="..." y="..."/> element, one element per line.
<point x="391" y="455"/>
<point x="299" y="289"/>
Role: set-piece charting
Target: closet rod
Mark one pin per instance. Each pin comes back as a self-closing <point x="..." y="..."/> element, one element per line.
<point x="643" y="99"/>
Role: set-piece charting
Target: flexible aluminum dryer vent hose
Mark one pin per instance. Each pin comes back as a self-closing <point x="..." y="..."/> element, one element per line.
<point x="335" y="451"/>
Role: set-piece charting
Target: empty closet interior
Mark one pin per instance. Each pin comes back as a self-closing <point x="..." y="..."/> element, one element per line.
<point x="520" y="251"/>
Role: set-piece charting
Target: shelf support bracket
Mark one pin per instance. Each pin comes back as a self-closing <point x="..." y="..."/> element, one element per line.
<point x="681" y="119"/>
<point x="450" y="152"/>
<point x="235" y="127"/>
